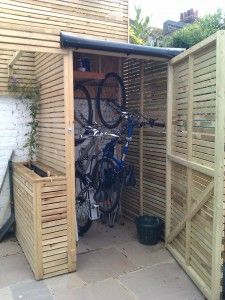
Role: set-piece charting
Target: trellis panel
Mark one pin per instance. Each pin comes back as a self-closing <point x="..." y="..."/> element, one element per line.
<point x="195" y="162"/>
<point x="23" y="69"/>
<point x="51" y="115"/>
<point x="132" y="70"/>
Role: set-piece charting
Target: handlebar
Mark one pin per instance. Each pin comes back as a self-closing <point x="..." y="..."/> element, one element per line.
<point x="153" y="123"/>
<point x="97" y="133"/>
<point x="159" y="123"/>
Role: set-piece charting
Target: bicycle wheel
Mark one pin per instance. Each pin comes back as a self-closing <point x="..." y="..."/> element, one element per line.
<point x="82" y="205"/>
<point x="83" y="113"/>
<point x="111" y="99"/>
<point x="107" y="185"/>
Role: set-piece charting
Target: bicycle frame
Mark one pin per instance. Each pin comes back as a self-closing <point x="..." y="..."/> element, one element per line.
<point x="108" y="151"/>
<point x="88" y="153"/>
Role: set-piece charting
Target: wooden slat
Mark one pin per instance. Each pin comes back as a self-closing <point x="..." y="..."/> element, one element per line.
<point x="218" y="225"/>
<point x="70" y="158"/>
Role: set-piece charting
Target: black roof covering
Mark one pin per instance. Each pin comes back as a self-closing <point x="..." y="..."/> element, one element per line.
<point x="69" y="40"/>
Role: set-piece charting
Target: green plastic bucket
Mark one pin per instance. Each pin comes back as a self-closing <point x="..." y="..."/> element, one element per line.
<point x="149" y="229"/>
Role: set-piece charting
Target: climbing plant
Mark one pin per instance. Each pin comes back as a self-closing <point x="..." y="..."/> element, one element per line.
<point x="28" y="90"/>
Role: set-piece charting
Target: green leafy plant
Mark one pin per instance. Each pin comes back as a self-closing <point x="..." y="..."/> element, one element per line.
<point x="28" y="90"/>
<point x="140" y="29"/>
<point x="196" y="32"/>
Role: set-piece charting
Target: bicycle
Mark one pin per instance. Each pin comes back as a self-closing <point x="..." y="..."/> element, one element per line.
<point x="110" y="174"/>
<point x="110" y="90"/>
<point x="83" y="116"/>
<point x="87" y="209"/>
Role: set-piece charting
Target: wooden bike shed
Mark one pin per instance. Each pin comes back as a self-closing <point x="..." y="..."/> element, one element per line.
<point x="194" y="152"/>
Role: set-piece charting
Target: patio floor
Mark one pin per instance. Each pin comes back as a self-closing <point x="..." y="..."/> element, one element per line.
<point x="112" y="264"/>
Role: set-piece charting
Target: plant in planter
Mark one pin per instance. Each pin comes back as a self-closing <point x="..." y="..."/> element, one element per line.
<point x="30" y="91"/>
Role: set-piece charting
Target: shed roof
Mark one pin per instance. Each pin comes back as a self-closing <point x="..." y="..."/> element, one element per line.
<point x="69" y="40"/>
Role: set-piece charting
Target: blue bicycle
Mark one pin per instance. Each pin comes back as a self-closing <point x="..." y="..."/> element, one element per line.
<point x="110" y="174"/>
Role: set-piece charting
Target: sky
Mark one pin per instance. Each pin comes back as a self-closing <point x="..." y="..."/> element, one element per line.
<point x="161" y="11"/>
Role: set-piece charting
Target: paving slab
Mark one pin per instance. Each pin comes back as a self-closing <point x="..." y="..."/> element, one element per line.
<point x="16" y="269"/>
<point x="145" y="255"/>
<point x="102" y="236"/>
<point x="9" y="246"/>
<point x="160" y="282"/>
<point x="109" y="289"/>
<point x="62" y="284"/>
<point x="5" y="294"/>
<point x="31" y="290"/>
<point x="102" y="264"/>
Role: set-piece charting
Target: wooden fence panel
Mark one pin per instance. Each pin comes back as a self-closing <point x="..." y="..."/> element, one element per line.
<point x="146" y="87"/>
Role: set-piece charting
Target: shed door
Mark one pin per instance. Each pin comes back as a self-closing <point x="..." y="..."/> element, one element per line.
<point x="195" y="163"/>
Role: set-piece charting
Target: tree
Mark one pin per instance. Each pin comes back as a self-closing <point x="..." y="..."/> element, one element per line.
<point x="139" y="30"/>
<point x="196" y="32"/>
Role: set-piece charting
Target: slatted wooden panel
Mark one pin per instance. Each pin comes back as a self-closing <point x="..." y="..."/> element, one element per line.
<point x="49" y="17"/>
<point x="195" y="166"/>
<point x="204" y="106"/>
<point x="54" y="232"/>
<point x="42" y="218"/>
<point x="132" y="81"/>
<point x="146" y="86"/>
<point x="24" y="201"/>
<point x="23" y="68"/>
<point x="51" y="118"/>
<point x="154" y="140"/>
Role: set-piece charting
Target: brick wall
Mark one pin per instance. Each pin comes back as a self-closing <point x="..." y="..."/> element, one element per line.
<point x="14" y="116"/>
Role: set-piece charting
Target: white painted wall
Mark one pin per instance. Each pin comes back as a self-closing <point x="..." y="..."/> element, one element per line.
<point x="14" y="116"/>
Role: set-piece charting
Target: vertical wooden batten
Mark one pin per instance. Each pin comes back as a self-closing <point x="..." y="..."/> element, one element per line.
<point x="169" y="147"/>
<point x="218" y="232"/>
<point x="189" y="153"/>
<point x="70" y="157"/>
<point x="38" y="225"/>
<point x="141" y="138"/>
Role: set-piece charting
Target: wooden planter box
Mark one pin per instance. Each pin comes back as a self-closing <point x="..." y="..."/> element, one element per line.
<point x="42" y="221"/>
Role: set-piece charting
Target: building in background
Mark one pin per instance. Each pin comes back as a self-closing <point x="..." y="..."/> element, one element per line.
<point x="187" y="17"/>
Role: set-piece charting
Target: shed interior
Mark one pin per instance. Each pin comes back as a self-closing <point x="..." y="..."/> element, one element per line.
<point x="145" y="81"/>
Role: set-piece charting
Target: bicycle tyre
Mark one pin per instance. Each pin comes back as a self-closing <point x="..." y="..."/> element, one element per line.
<point x="95" y="176"/>
<point x="82" y="227"/>
<point x="99" y="100"/>
<point x="89" y="112"/>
